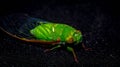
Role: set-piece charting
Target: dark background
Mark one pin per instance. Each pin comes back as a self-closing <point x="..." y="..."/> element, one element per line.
<point x="98" y="21"/>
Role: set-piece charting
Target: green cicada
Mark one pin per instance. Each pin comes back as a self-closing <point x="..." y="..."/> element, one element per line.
<point x="60" y="33"/>
<point x="53" y="34"/>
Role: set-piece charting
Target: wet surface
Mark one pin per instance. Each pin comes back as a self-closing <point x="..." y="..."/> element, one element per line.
<point x="95" y="20"/>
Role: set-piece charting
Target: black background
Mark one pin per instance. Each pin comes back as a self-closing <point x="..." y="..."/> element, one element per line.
<point x="106" y="55"/>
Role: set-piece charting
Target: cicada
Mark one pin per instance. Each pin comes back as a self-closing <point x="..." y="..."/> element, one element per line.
<point x="51" y="34"/>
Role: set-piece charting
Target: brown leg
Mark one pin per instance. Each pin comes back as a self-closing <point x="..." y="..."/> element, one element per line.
<point x="86" y="48"/>
<point x="47" y="50"/>
<point x="72" y="50"/>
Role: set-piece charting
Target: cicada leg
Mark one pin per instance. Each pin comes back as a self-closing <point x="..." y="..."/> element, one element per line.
<point x="73" y="52"/>
<point x="86" y="48"/>
<point x="47" y="50"/>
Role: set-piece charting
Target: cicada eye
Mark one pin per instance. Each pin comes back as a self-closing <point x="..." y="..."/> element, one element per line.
<point x="76" y="33"/>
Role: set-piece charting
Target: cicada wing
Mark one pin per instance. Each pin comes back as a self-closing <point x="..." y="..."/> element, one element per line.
<point x="19" y="26"/>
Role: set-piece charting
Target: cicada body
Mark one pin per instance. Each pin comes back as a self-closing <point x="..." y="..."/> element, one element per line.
<point x="56" y="32"/>
<point x="44" y="32"/>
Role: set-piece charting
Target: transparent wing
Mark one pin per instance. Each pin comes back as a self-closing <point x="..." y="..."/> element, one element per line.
<point x="19" y="24"/>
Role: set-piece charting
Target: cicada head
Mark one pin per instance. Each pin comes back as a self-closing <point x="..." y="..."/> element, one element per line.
<point x="77" y="36"/>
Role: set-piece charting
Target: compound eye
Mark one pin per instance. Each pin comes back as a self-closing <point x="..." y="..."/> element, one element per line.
<point x="76" y="33"/>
